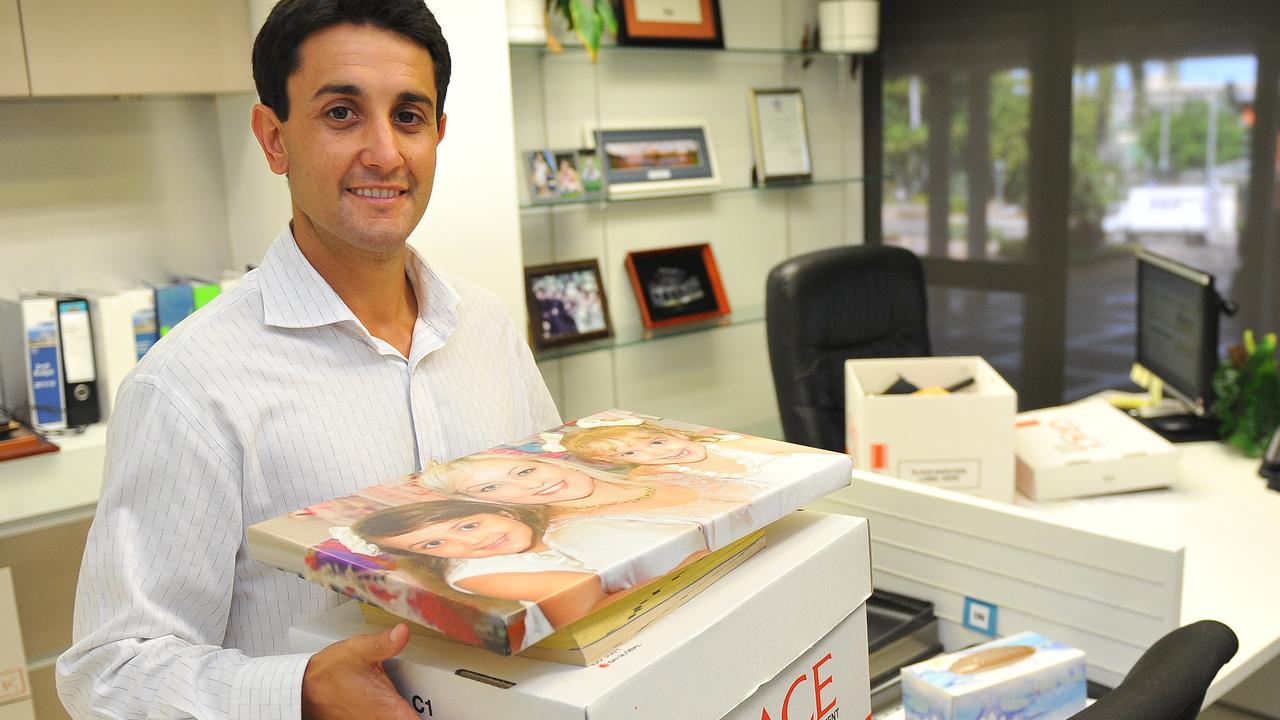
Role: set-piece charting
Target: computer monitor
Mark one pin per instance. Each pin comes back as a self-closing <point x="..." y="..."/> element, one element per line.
<point x="1178" y="310"/>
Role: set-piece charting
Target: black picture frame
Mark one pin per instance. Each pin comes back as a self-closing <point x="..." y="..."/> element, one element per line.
<point x="567" y="304"/>
<point x="707" y="34"/>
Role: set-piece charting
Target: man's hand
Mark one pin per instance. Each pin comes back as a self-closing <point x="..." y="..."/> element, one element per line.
<point x="346" y="679"/>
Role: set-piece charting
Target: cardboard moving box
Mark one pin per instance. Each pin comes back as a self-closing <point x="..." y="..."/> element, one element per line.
<point x="962" y="441"/>
<point x="15" y="685"/>
<point x="1089" y="448"/>
<point x="753" y="645"/>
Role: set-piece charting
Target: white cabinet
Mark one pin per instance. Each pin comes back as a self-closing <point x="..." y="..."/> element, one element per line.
<point x="134" y="47"/>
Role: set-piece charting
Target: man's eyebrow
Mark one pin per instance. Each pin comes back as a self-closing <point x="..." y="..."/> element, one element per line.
<point x="335" y="89"/>
<point x="354" y="91"/>
<point x="415" y="97"/>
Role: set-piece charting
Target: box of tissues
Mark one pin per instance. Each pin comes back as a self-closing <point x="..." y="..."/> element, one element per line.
<point x="1019" y="677"/>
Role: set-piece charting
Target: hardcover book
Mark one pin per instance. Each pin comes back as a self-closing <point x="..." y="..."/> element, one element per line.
<point x="501" y="548"/>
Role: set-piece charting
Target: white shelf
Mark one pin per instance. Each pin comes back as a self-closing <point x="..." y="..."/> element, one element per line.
<point x="46" y="489"/>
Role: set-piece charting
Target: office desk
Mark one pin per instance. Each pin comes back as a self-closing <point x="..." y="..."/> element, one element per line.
<point x="1222" y="511"/>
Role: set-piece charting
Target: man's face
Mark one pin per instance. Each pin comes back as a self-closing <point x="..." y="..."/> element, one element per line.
<point x="360" y="143"/>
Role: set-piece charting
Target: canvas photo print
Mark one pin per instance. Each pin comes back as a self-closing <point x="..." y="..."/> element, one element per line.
<point x="501" y="548"/>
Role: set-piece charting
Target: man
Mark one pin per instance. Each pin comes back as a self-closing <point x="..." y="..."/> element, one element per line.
<point x="342" y="361"/>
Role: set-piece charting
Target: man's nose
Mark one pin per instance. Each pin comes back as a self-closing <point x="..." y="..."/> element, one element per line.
<point x="382" y="147"/>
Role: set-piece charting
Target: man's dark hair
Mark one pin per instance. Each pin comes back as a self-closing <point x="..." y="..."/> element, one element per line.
<point x="276" y="49"/>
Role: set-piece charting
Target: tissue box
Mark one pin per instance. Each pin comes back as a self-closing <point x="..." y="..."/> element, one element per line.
<point x="1089" y="448"/>
<point x="1021" y="676"/>
<point x="784" y="635"/>
<point x="962" y="441"/>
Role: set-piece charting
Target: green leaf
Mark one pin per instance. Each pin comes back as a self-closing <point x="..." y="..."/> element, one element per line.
<point x="605" y="10"/>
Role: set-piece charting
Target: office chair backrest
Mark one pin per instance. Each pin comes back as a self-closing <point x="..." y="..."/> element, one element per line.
<point x="1169" y="681"/>
<point x="825" y="307"/>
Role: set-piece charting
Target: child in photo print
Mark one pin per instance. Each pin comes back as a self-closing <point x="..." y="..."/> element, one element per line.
<point x="514" y="553"/>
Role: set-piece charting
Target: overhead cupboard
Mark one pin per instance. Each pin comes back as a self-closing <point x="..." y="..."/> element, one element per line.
<point x="674" y="132"/>
<point x="61" y="48"/>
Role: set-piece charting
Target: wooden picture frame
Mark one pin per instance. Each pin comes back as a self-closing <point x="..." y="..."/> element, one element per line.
<point x="670" y="23"/>
<point x="780" y="136"/>
<point x="567" y="304"/>
<point x="677" y="285"/>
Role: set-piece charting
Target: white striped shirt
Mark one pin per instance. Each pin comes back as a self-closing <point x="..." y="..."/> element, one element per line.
<point x="271" y="398"/>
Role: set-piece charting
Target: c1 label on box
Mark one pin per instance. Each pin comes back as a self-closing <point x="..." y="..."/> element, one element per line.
<point x="980" y="616"/>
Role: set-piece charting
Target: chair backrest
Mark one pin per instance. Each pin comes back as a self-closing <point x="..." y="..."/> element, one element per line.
<point x="857" y="301"/>
<point x="1169" y="681"/>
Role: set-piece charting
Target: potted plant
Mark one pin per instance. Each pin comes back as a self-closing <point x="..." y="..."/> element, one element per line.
<point x="588" y="19"/>
<point x="1248" y="394"/>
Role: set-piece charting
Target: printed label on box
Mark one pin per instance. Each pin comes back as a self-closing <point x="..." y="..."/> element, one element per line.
<point x="13" y="684"/>
<point x="946" y="474"/>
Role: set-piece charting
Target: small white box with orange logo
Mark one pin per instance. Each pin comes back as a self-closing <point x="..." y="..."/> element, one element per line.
<point x="786" y="630"/>
<point x="1089" y="448"/>
<point x="960" y="440"/>
<point x="1020" y="677"/>
<point x="15" y="690"/>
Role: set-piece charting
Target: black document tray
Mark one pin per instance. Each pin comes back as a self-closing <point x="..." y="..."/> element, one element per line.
<point x="891" y="616"/>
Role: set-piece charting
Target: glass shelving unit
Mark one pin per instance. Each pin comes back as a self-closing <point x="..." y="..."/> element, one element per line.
<point x="603" y="203"/>
<point x="629" y="337"/>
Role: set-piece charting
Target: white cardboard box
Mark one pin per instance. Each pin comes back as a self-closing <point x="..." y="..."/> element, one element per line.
<point x="962" y="441"/>
<point x="751" y="643"/>
<point x="15" y="685"/>
<point x="1020" y="677"/>
<point x="1089" y="448"/>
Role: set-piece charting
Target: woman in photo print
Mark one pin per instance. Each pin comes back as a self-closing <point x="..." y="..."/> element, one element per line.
<point x="576" y="493"/>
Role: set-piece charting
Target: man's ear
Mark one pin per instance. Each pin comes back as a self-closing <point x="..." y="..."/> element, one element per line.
<point x="268" y="128"/>
<point x="444" y="120"/>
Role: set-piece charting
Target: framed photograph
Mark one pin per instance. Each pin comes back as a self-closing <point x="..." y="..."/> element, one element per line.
<point x="567" y="304"/>
<point x="657" y="161"/>
<point x="780" y="135"/>
<point x="670" y="23"/>
<point x="677" y="285"/>
<point x="563" y="175"/>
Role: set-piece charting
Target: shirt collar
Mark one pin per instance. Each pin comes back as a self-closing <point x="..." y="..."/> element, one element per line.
<point x="294" y="295"/>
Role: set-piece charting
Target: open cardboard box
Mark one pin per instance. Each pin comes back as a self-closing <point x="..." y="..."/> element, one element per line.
<point x="962" y="441"/>
<point x="783" y="633"/>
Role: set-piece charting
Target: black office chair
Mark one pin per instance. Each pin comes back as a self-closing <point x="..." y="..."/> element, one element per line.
<point x="859" y="301"/>
<point x="1169" y="681"/>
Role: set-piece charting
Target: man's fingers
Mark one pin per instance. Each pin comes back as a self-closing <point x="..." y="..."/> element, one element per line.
<point x="397" y="639"/>
<point x="381" y="646"/>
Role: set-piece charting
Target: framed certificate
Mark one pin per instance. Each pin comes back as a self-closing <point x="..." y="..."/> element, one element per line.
<point x="780" y="135"/>
<point x="671" y="23"/>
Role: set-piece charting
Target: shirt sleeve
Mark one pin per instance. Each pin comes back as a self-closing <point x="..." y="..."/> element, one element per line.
<point x="155" y="588"/>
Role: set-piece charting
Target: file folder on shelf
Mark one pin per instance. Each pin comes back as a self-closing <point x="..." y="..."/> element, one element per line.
<point x="30" y="361"/>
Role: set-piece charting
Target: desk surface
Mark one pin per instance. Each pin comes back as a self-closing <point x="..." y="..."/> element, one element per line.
<point x="1229" y="522"/>
<point x="55" y="487"/>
